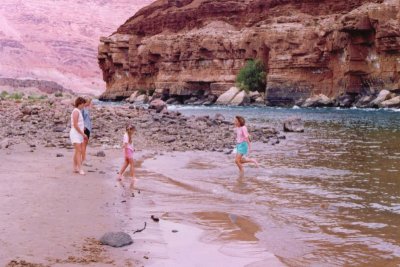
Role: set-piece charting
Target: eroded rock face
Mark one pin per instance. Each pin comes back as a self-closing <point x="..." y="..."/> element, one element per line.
<point x="194" y="47"/>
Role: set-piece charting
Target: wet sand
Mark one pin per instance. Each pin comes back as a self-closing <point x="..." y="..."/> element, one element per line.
<point x="52" y="217"/>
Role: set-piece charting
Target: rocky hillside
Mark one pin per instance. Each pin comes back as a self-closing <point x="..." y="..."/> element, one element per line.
<point x="196" y="47"/>
<point x="57" y="40"/>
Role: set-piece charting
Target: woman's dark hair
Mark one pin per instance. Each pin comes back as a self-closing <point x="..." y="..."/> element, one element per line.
<point x="79" y="101"/>
<point x="241" y="121"/>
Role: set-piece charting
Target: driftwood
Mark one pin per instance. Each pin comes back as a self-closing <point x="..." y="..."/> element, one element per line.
<point x="140" y="230"/>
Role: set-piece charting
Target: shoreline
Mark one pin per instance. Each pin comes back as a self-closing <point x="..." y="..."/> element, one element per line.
<point x="63" y="215"/>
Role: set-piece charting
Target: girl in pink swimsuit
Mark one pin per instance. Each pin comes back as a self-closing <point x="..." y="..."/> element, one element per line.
<point x="128" y="155"/>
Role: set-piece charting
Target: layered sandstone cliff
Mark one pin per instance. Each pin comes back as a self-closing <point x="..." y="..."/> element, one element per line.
<point x="196" y="47"/>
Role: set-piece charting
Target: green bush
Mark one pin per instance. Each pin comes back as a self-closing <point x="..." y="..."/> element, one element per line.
<point x="16" y="96"/>
<point x="252" y="76"/>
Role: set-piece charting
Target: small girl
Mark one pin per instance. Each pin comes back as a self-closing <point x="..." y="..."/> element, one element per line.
<point x="128" y="155"/>
<point x="243" y="143"/>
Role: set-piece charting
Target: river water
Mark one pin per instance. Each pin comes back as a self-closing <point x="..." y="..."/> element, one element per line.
<point x="327" y="197"/>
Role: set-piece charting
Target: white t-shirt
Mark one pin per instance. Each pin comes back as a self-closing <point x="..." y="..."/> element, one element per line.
<point x="126" y="141"/>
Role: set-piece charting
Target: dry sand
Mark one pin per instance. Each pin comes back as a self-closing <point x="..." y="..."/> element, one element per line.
<point x="52" y="217"/>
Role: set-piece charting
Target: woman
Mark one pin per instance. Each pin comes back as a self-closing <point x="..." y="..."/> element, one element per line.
<point x="77" y="134"/>
<point x="87" y="126"/>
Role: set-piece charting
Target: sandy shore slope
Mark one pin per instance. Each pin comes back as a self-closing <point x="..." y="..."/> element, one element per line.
<point x="51" y="217"/>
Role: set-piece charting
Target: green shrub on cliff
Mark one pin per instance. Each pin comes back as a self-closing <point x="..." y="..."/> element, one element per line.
<point x="252" y="76"/>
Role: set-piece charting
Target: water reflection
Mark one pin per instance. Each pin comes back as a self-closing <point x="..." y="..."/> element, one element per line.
<point x="332" y="194"/>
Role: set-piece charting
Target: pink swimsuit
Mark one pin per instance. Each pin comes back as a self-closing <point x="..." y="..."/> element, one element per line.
<point x="128" y="150"/>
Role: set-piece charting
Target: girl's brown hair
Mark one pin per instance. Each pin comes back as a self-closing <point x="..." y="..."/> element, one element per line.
<point x="129" y="130"/>
<point x="79" y="101"/>
<point x="241" y="121"/>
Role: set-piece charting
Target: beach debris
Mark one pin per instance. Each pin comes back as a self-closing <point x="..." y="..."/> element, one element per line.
<point x="140" y="230"/>
<point x="123" y="201"/>
<point x="174" y="231"/>
<point x="59" y="155"/>
<point x="233" y="218"/>
<point x="5" y="143"/>
<point x="116" y="239"/>
<point x="293" y="124"/>
<point x="133" y="194"/>
<point x="101" y="154"/>
<point x="15" y="263"/>
<point x="146" y="257"/>
<point x="154" y="218"/>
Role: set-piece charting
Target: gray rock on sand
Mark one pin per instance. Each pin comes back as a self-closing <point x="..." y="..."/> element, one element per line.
<point x="116" y="239"/>
<point x="101" y="154"/>
<point x="293" y="124"/>
<point x="5" y="143"/>
<point x="158" y="105"/>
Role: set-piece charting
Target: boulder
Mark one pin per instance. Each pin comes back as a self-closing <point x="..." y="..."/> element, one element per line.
<point x="382" y="96"/>
<point x="133" y="96"/>
<point x="116" y="239"/>
<point x="158" y="105"/>
<point x="259" y="101"/>
<point x="293" y="124"/>
<point x="364" y="101"/>
<point x="241" y="99"/>
<point x="345" y="101"/>
<point x="320" y="100"/>
<point x="228" y="96"/>
<point x="219" y="117"/>
<point x="391" y="103"/>
<point x="142" y="99"/>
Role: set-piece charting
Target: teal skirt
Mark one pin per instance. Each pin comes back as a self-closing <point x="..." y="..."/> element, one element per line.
<point x="242" y="148"/>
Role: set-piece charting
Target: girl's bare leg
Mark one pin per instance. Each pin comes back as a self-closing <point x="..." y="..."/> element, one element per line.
<point x="238" y="161"/>
<point x="132" y="175"/>
<point x="123" y="169"/>
<point x="249" y="160"/>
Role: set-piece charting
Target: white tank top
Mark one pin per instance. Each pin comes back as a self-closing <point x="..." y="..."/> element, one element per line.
<point x="81" y="124"/>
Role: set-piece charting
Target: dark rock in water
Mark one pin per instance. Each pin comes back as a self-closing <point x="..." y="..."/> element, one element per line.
<point x="293" y="124"/>
<point x="59" y="155"/>
<point x="100" y="154"/>
<point x="116" y="239"/>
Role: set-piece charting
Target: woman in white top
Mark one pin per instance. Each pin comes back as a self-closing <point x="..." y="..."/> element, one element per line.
<point x="77" y="134"/>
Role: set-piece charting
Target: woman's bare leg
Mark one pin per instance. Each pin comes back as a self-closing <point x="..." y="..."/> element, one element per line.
<point x="78" y="157"/>
<point x="84" y="146"/>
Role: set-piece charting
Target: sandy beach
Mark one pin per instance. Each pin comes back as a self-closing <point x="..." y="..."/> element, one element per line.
<point x="52" y="217"/>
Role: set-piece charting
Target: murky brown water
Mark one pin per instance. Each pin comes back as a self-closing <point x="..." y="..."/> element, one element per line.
<point x="328" y="197"/>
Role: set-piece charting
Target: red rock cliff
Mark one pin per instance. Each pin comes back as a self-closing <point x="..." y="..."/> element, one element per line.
<point x="189" y="47"/>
